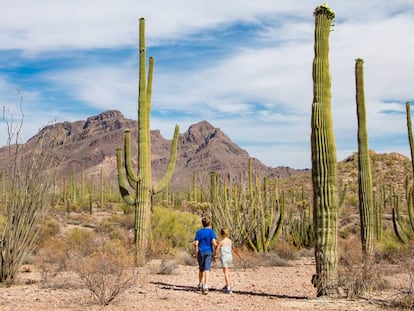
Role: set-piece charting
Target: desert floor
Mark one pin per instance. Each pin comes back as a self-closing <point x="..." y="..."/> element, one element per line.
<point x="260" y="288"/>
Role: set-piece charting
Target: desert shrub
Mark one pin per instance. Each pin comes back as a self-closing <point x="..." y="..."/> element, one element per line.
<point x="358" y="276"/>
<point x="350" y="250"/>
<point x="405" y="298"/>
<point x="173" y="229"/>
<point x="160" y="249"/>
<point x="127" y="209"/>
<point x="184" y="257"/>
<point x="79" y="218"/>
<point x="249" y="259"/>
<point x="81" y="241"/>
<point x="168" y="267"/>
<point x="49" y="229"/>
<point x="357" y="280"/>
<point x="286" y="251"/>
<point x="110" y="227"/>
<point x="273" y="260"/>
<point x="52" y="258"/>
<point x="107" y="272"/>
<point x="404" y="302"/>
<point x="127" y="221"/>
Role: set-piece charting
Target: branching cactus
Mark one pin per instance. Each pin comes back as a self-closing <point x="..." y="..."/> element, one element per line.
<point x="141" y="182"/>
<point x="324" y="176"/>
<point x="366" y="206"/>
<point x="254" y="214"/>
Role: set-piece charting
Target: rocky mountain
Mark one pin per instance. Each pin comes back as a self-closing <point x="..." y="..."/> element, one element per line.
<point x="202" y="148"/>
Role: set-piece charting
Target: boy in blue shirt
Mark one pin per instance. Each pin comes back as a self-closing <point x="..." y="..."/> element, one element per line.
<point x="204" y="243"/>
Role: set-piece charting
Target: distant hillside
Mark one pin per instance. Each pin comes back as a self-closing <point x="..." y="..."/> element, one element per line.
<point x="201" y="149"/>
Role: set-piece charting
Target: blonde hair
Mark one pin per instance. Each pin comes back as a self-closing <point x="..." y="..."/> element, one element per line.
<point x="224" y="232"/>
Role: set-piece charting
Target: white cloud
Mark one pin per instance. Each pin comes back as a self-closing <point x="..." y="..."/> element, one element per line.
<point x="258" y="92"/>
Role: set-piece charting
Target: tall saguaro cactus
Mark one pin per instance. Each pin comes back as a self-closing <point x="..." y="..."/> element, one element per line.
<point x="141" y="181"/>
<point x="325" y="206"/>
<point x="366" y="204"/>
<point x="410" y="134"/>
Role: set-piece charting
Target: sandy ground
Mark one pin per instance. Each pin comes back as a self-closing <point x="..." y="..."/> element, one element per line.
<point x="261" y="288"/>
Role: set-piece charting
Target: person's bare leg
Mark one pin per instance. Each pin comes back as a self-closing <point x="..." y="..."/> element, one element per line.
<point x="226" y="276"/>
<point x="206" y="277"/>
<point x="200" y="276"/>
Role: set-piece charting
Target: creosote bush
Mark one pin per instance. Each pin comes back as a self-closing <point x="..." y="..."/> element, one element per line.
<point x="107" y="273"/>
<point x="100" y="258"/>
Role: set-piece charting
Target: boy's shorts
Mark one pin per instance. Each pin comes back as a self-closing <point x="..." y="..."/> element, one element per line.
<point x="204" y="261"/>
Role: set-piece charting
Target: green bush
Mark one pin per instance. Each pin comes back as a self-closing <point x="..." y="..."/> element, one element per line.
<point x="172" y="228"/>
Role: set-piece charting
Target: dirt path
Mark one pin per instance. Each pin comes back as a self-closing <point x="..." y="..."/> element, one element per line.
<point x="261" y="288"/>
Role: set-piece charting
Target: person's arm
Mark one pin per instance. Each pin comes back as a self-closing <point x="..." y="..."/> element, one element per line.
<point x="217" y="248"/>
<point x="195" y="243"/>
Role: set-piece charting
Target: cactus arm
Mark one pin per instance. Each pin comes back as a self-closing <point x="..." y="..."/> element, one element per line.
<point x="121" y="179"/>
<point x="276" y="228"/>
<point x="342" y="199"/>
<point x="132" y="178"/>
<point x="148" y="109"/>
<point x="171" y="164"/>
<point x="410" y="206"/>
<point x="396" y="226"/>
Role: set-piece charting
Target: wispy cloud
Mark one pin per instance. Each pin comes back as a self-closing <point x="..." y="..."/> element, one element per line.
<point x="246" y="68"/>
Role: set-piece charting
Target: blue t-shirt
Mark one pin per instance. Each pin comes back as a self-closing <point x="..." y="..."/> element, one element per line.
<point x="204" y="237"/>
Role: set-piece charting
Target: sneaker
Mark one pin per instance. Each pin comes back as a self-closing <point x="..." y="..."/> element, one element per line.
<point x="224" y="289"/>
<point x="229" y="291"/>
<point x="205" y="290"/>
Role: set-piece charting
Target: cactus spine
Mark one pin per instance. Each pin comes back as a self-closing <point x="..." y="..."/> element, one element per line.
<point x="141" y="182"/>
<point x="323" y="147"/>
<point x="366" y="207"/>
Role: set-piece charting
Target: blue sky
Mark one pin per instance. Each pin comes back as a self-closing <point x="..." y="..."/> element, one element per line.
<point x="245" y="66"/>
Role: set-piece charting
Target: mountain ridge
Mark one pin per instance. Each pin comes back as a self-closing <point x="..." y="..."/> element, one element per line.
<point x="90" y="145"/>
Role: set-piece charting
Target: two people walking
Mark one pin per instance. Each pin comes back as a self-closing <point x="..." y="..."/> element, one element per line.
<point x="206" y="249"/>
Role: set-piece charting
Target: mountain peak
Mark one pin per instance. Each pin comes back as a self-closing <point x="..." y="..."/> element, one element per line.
<point x="91" y="144"/>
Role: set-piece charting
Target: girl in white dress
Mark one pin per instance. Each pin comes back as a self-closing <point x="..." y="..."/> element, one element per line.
<point x="225" y="247"/>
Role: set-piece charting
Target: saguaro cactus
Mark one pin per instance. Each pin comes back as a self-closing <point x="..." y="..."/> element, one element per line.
<point x="323" y="147"/>
<point x="366" y="206"/>
<point x="410" y="135"/>
<point x="141" y="182"/>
